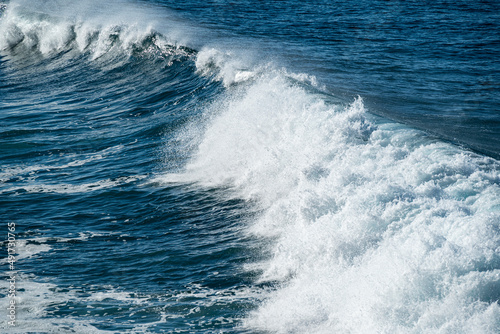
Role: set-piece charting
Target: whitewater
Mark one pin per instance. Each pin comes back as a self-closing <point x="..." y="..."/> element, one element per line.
<point x="166" y="177"/>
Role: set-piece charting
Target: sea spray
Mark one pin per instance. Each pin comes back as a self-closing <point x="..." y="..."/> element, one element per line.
<point x="372" y="226"/>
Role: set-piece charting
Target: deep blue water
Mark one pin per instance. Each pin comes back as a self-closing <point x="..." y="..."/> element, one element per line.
<point x="251" y="166"/>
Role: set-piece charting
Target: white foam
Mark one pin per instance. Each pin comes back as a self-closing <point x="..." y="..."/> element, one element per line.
<point x="372" y="227"/>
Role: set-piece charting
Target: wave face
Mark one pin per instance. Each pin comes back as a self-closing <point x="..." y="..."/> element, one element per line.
<point x="163" y="181"/>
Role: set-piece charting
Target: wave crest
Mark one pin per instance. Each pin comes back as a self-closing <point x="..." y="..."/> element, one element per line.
<point x="371" y="226"/>
<point x="25" y="30"/>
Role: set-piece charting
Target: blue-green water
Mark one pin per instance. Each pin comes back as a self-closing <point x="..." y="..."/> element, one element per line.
<point x="250" y="167"/>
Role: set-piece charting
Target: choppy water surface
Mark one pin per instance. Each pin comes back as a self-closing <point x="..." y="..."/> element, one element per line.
<point x="251" y="167"/>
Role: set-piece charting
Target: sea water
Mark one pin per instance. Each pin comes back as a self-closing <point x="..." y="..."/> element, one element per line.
<point x="250" y="166"/>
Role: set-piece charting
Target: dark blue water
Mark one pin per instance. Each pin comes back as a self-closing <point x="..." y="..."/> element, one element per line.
<point x="250" y="167"/>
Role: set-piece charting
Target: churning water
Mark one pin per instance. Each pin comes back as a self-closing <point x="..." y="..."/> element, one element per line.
<point x="251" y="166"/>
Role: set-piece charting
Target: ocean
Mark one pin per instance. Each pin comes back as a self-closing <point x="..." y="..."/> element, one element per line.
<point x="250" y="166"/>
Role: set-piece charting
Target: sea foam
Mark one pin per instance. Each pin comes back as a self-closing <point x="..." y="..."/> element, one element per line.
<point x="371" y="226"/>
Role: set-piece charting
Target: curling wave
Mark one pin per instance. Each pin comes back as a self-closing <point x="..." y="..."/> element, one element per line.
<point x="371" y="226"/>
<point x="102" y="31"/>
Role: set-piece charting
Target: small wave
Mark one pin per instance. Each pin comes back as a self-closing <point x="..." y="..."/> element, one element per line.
<point x="232" y="69"/>
<point x="224" y="66"/>
<point x="66" y="188"/>
<point x="26" y="30"/>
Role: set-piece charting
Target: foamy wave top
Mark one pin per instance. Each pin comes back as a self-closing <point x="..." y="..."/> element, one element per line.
<point x="98" y="32"/>
<point x="373" y="227"/>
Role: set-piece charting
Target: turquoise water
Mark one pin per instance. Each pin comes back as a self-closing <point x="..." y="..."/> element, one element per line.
<point x="250" y="167"/>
